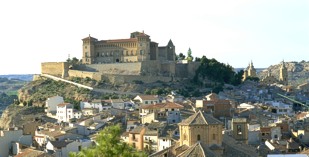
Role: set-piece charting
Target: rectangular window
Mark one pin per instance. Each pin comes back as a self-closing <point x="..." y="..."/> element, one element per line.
<point x="239" y="131"/>
<point x="214" y="136"/>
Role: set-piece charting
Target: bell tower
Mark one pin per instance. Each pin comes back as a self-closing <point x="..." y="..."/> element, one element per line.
<point x="240" y="129"/>
<point x="283" y="78"/>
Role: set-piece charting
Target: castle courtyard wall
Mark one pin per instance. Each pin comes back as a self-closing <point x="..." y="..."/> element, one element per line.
<point x="115" y="68"/>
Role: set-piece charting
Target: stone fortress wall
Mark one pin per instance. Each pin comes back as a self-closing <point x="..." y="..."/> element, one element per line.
<point x="119" y="73"/>
<point x="109" y="60"/>
<point x="59" y="69"/>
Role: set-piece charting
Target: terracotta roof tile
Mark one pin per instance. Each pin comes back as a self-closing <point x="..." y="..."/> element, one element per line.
<point x="63" y="104"/>
<point x="148" y="97"/>
<point x="162" y="105"/>
<point x="200" y="118"/>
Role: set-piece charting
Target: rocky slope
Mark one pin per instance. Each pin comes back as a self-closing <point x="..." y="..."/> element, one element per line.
<point x="15" y="115"/>
<point x="298" y="72"/>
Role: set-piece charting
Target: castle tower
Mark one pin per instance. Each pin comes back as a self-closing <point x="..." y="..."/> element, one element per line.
<point x="89" y="50"/>
<point x="240" y="129"/>
<point x="283" y="78"/>
<point x="171" y="56"/>
<point x="251" y="70"/>
<point x="200" y="127"/>
<point x="143" y="49"/>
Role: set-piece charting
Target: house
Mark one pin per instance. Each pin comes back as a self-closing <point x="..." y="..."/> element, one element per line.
<point x="118" y="104"/>
<point x="281" y="108"/>
<point x="64" y="147"/>
<point x="151" y="140"/>
<point x="52" y="102"/>
<point x="136" y="137"/>
<point x="174" y="98"/>
<point x="219" y="108"/>
<point x="13" y="137"/>
<point x="147" y="99"/>
<point x="167" y="136"/>
<point x="30" y="152"/>
<point x="65" y="112"/>
<point x="169" y="112"/>
<point x="90" y="111"/>
<point x="97" y="104"/>
<point x="50" y="132"/>
<point x="131" y="124"/>
<point x="106" y="104"/>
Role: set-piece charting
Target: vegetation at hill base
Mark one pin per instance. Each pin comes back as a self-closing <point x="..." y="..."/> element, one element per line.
<point x="109" y="144"/>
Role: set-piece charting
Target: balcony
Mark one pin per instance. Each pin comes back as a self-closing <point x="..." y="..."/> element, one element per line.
<point x="150" y="142"/>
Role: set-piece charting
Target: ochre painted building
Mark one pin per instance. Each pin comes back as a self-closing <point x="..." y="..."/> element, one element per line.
<point x="137" y="48"/>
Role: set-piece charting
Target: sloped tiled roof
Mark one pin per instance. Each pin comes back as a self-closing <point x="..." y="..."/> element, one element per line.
<point x="162" y="105"/>
<point x="60" y="143"/>
<point x="148" y="97"/>
<point x="200" y="118"/>
<point x="199" y="149"/>
<point x="137" y="130"/>
<point x="63" y="104"/>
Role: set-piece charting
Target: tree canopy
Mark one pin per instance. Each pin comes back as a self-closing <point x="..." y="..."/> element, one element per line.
<point x="189" y="54"/>
<point x="218" y="72"/>
<point x="108" y="144"/>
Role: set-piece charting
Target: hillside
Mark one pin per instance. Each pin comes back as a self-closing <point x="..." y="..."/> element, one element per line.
<point x="36" y="92"/>
<point x="298" y="72"/>
<point x="8" y="90"/>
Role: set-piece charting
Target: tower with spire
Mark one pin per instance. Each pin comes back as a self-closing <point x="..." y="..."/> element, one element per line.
<point x="283" y="78"/>
<point x="250" y="71"/>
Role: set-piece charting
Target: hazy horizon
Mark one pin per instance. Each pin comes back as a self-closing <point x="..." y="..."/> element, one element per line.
<point x="232" y="32"/>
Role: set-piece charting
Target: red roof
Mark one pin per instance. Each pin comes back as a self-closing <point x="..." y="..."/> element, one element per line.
<point x="63" y="104"/>
<point x="162" y="105"/>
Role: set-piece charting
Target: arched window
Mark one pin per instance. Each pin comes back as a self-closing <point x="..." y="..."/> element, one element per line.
<point x="198" y="137"/>
<point x="131" y="52"/>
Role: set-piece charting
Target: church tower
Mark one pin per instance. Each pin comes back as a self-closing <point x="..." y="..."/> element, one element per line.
<point x="251" y="70"/>
<point x="283" y="78"/>
<point x="240" y="129"/>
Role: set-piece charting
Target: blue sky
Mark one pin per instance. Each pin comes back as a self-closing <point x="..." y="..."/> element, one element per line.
<point x="233" y="32"/>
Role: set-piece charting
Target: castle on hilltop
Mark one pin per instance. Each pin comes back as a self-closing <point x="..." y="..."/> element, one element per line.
<point x="125" y="60"/>
<point x="137" y="48"/>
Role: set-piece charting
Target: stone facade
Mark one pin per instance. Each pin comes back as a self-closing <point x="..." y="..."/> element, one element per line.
<point x="137" y="48"/>
<point x="59" y="69"/>
<point x="125" y="60"/>
<point x="283" y="77"/>
<point x="200" y="127"/>
<point x="250" y="71"/>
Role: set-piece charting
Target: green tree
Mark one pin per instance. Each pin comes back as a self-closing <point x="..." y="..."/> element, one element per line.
<point x="189" y="54"/>
<point x="108" y="144"/>
<point x="181" y="56"/>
